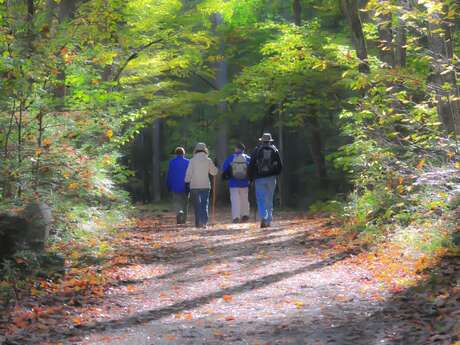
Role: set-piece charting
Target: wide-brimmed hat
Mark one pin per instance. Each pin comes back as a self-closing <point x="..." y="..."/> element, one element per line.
<point x="201" y="147"/>
<point x="266" y="137"/>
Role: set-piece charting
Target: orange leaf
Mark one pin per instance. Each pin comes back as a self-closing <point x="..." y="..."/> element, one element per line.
<point x="229" y="318"/>
<point x="227" y="298"/>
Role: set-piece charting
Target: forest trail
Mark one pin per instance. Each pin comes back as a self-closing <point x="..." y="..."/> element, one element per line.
<point x="293" y="283"/>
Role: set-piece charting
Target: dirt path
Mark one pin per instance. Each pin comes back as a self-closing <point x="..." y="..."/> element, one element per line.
<point x="237" y="284"/>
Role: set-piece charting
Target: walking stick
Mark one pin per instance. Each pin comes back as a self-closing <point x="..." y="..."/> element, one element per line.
<point x="213" y="212"/>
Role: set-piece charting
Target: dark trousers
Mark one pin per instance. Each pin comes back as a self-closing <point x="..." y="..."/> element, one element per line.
<point x="200" y="201"/>
<point x="180" y="202"/>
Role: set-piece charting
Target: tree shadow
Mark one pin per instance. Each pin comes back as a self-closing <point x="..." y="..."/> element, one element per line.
<point x="156" y="314"/>
<point x="193" y="256"/>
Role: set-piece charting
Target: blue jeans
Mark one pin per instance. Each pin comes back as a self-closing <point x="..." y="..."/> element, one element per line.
<point x="200" y="201"/>
<point x="265" y="189"/>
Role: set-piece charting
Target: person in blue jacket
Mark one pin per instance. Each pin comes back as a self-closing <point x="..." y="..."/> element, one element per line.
<point x="176" y="184"/>
<point x="235" y="169"/>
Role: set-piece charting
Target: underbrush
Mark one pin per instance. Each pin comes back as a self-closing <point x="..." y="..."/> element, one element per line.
<point x="82" y="221"/>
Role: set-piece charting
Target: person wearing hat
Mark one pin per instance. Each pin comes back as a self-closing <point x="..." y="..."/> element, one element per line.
<point x="176" y="184"/>
<point x="235" y="169"/>
<point x="197" y="175"/>
<point x="264" y="167"/>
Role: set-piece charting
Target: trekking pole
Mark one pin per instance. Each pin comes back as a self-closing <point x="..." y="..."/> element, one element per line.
<point x="214" y="192"/>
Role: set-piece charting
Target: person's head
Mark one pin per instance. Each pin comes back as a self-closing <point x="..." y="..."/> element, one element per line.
<point x="266" y="138"/>
<point x="180" y="151"/>
<point x="201" y="147"/>
<point x="240" y="148"/>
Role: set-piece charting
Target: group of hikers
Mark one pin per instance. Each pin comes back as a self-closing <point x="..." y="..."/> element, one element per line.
<point x="191" y="178"/>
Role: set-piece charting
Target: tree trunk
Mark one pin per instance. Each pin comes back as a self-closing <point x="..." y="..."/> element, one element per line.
<point x="316" y="150"/>
<point x="351" y="11"/>
<point x="401" y="35"/>
<point x="156" y="160"/>
<point x="297" y="9"/>
<point x="386" y="48"/>
<point x="316" y="144"/>
<point x="222" y="131"/>
<point x="65" y="11"/>
<point x="440" y="43"/>
<point x="281" y="184"/>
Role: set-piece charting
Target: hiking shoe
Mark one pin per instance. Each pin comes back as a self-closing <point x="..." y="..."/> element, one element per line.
<point x="244" y="219"/>
<point x="263" y="224"/>
<point x="236" y="221"/>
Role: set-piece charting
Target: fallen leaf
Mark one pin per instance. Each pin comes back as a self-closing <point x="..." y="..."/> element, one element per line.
<point x="227" y="298"/>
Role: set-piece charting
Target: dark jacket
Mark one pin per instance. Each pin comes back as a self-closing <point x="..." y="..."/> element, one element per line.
<point x="176" y="174"/>
<point x="253" y="169"/>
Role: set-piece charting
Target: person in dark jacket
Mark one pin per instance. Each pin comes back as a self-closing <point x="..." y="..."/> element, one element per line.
<point x="176" y="184"/>
<point x="264" y="167"/>
<point x="235" y="170"/>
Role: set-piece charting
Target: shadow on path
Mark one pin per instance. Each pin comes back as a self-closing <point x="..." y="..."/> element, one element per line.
<point x="156" y="314"/>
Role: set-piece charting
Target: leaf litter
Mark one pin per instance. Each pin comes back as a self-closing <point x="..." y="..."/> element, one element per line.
<point x="302" y="281"/>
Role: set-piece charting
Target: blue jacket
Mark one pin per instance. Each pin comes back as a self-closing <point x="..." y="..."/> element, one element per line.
<point x="176" y="174"/>
<point x="233" y="182"/>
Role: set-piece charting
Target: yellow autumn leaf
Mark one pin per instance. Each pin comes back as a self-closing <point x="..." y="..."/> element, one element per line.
<point x="420" y="164"/>
<point x="73" y="186"/>
<point x="47" y="142"/>
<point x="109" y="134"/>
<point x="299" y="304"/>
<point x="457" y="165"/>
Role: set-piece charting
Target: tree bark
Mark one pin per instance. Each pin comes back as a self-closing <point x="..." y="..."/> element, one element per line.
<point x="156" y="160"/>
<point x="297" y="9"/>
<point x="440" y="43"/>
<point x="386" y="48"/>
<point x="401" y="35"/>
<point x="316" y="150"/>
<point x="351" y="11"/>
<point x="316" y="143"/>
<point x="221" y="80"/>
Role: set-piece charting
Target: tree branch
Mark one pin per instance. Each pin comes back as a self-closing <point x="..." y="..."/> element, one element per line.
<point x="134" y="55"/>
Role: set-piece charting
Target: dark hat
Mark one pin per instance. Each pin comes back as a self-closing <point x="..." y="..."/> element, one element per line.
<point x="266" y="137"/>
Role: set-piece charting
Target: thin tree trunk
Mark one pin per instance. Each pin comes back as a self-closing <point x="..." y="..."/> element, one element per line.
<point x="221" y="81"/>
<point x="65" y="11"/>
<point x="316" y="149"/>
<point x="297" y="9"/>
<point x="440" y="43"/>
<point x="316" y="144"/>
<point x="156" y="160"/>
<point x="281" y="149"/>
<point x="351" y="11"/>
<point x="386" y="48"/>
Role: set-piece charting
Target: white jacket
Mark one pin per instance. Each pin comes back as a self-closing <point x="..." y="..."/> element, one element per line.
<point x="198" y="171"/>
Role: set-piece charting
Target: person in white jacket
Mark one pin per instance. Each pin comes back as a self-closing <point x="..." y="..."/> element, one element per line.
<point x="197" y="175"/>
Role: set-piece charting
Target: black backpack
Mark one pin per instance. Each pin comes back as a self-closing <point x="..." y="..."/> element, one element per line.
<point x="267" y="164"/>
